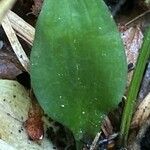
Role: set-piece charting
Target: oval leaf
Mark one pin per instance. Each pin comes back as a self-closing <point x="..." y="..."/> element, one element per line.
<point x="78" y="66"/>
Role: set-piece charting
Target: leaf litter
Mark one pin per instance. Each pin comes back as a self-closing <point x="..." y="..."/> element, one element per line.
<point x="133" y="38"/>
<point x="14" y="107"/>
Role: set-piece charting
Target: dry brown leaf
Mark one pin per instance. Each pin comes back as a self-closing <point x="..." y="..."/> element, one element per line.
<point x="140" y="140"/>
<point x="9" y="65"/>
<point x="142" y="113"/>
<point x="132" y="39"/>
<point x="34" y="123"/>
<point x="36" y="8"/>
<point x="14" y="106"/>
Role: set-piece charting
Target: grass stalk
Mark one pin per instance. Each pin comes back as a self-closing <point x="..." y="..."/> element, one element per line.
<point x="134" y="89"/>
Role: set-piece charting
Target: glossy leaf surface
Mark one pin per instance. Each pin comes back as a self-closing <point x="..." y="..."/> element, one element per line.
<point x="78" y="66"/>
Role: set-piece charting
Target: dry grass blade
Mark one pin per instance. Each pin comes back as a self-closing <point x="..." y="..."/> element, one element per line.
<point x="94" y="143"/>
<point x="23" y="29"/>
<point x="142" y="113"/>
<point x="5" y="5"/>
<point x="22" y="57"/>
<point x="107" y="127"/>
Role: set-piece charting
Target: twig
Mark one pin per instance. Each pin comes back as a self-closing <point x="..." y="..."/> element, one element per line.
<point x="110" y="138"/>
<point x="22" y="57"/>
<point x="23" y="29"/>
<point x="136" y="18"/>
<point x="94" y="143"/>
<point x="5" y="5"/>
<point x="107" y="127"/>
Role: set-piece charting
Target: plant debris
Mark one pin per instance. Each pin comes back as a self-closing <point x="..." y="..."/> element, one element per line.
<point x="36" y="8"/>
<point x="34" y="125"/>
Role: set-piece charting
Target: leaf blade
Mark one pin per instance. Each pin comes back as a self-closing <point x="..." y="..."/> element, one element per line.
<point x="71" y="49"/>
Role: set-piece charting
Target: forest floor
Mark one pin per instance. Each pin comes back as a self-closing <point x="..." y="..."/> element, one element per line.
<point x="132" y="19"/>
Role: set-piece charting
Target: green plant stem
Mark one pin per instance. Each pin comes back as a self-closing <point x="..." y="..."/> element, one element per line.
<point x="79" y="145"/>
<point x="133" y="89"/>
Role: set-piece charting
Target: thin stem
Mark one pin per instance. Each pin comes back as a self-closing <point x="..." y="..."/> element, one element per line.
<point x="79" y="145"/>
<point x="134" y="88"/>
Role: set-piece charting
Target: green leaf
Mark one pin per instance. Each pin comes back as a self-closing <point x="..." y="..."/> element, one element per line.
<point x="78" y="65"/>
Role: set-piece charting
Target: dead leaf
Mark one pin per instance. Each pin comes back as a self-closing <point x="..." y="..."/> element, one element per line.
<point x="145" y="86"/>
<point x="14" y="107"/>
<point x="140" y="141"/>
<point x="132" y="39"/>
<point x="142" y="113"/>
<point x="36" y="8"/>
<point x="6" y="146"/>
<point x="34" y="123"/>
<point x="9" y="65"/>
